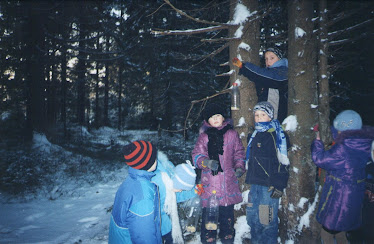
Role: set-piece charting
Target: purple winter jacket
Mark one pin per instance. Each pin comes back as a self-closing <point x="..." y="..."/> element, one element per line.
<point x="225" y="183"/>
<point x="343" y="192"/>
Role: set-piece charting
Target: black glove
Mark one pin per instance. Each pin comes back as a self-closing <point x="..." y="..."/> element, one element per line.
<point x="239" y="172"/>
<point x="276" y="193"/>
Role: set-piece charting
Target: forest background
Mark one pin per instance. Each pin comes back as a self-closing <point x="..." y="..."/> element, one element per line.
<point x="116" y="64"/>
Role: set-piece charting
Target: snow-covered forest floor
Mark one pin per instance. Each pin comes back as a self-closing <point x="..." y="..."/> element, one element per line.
<point x="64" y="193"/>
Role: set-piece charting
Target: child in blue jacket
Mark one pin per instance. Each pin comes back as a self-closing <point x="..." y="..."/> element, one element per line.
<point x="271" y="81"/>
<point x="136" y="212"/>
<point x="176" y="184"/>
<point x="267" y="174"/>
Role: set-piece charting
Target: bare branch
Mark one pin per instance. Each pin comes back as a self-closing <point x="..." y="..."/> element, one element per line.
<point x="222" y="39"/>
<point x="192" y="18"/>
<point x="189" y="32"/>
<point x="203" y="100"/>
<point x="335" y="33"/>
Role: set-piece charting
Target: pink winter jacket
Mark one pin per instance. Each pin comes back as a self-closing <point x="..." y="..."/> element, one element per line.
<point x="224" y="183"/>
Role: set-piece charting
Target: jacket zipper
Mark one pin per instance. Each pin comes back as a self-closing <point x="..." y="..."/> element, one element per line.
<point x="262" y="167"/>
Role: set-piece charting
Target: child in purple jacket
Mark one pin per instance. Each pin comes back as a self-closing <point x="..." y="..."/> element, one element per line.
<point x="219" y="153"/>
<point x="342" y="195"/>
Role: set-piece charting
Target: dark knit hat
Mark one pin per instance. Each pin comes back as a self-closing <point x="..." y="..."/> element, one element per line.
<point x="265" y="107"/>
<point x="212" y="109"/>
<point x="276" y="51"/>
<point x="348" y="120"/>
<point x="140" y="154"/>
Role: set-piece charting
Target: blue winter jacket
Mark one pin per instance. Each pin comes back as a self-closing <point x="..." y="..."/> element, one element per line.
<point x="264" y="168"/>
<point x="164" y="165"/>
<point x="274" y="77"/>
<point x="136" y="211"/>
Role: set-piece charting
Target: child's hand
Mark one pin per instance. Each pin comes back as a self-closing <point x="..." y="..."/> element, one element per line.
<point x="316" y="130"/>
<point x="276" y="193"/>
<point x="176" y="190"/>
<point x="239" y="172"/>
<point x="237" y="63"/>
<point x="211" y="164"/>
<point x="318" y="136"/>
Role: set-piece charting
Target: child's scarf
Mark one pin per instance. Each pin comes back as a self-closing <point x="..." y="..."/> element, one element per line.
<point x="280" y="139"/>
<point x="171" y="208"/>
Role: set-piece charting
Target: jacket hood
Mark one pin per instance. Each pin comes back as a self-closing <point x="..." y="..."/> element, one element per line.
<point x="136" y="173"/>
<point x="356" y="139"/>
<point x="279" y="63"/>
<point x="206" y="125"/>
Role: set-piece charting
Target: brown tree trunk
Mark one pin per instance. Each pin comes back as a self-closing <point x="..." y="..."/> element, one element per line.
<point x="323" y="74"/>
<point x="302" y="95"/>
<point x="243" y="118"/>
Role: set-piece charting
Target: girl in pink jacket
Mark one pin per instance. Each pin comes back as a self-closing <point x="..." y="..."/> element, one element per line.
<point x="220" y="155"/>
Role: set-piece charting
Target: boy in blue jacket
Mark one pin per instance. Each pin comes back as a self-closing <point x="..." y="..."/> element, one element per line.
<point x="268" y="163"/>
<point x="136" y="209"/>
<point x="271" y="81"/>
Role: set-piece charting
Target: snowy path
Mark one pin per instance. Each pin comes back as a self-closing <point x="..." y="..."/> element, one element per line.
<point x="65" y="220"/>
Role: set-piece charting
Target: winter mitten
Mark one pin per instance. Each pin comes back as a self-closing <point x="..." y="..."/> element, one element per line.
<point x="239" y="172"/>
<point x="237" y="62"/>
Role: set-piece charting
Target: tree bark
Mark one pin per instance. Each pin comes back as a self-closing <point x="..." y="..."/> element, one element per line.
<point x="34" y="38"/>
<point x="323" y="73"/>
<point x="248" y="97"/>
<point x="302" y="94"/>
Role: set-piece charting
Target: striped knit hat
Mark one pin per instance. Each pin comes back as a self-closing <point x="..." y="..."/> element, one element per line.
<point x="184" y="177"/>
<point x="140" y="155"/>
<point x="266" y="107"/>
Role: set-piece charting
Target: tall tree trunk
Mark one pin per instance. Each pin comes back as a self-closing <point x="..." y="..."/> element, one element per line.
<point x="119" y="94"/>
<point x="97" y="95"/>
<point x="63" y="81"/>
<point x="35" y="78"/>
<point x="106" y="87"/>
<point x="81" y="70"/>
<point x="323" y="75"/>
<point x="243" y="118"/>
<point x="302" y="95"/>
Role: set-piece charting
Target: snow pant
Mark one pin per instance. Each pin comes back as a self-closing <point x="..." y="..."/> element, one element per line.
<point x="226" y="226"/>
<point x="262" y="215"/>
<point x="167" y="238"/>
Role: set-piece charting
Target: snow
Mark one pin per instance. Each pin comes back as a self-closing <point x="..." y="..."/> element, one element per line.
<point x="4" y="115"/>
<point x="290" y="123"/>
<point x="244" y="46"/>
<point x="241" y="14"/>
<point x="299" y="32"/>
<point x="239" y="32"/>
<point x="241" y="122"/>
<point x="74" y="211"/>
<point x="305" y="219"/>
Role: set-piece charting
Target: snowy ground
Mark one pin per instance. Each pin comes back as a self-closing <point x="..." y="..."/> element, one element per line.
<point x="72" y="210"/>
